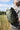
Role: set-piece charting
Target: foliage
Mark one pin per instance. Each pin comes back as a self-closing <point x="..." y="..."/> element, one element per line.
<point x="2" y="12"/>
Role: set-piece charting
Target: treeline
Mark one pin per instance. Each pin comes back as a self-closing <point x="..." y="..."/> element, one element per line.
<point x="2" y="12"/>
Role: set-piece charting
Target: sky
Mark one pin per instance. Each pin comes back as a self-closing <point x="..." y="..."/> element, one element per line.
<point x="6" y="4"/>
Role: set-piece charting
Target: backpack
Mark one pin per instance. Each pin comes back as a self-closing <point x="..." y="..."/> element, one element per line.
<point x="12" y="17"/>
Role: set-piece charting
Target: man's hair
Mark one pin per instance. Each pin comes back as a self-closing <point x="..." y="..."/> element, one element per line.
<point x="16" y="2"/>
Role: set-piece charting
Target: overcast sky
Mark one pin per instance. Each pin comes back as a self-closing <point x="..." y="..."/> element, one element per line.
<point x="4" y="4"/>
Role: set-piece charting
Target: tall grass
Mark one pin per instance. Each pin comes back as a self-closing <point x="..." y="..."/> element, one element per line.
<point x="4" y="24"/>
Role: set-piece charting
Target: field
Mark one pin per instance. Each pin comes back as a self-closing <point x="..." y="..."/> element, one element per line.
<point x="4" y="24"/>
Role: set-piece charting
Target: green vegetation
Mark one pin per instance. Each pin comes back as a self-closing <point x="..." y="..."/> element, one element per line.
<point x="4" y="24"/>
<point x="2" y="12"/>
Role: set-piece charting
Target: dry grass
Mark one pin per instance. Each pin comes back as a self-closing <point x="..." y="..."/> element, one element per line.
<point x="4" y="24"/>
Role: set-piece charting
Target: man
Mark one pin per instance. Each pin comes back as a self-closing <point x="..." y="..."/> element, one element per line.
<point x="17" y="5"/>
<point x="12" y="16"/>
<point x="17" y="9"/>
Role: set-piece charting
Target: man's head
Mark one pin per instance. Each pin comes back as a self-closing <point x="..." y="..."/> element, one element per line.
<point x="17" y="2"/>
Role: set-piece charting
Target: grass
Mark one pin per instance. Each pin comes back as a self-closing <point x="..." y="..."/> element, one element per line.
<point x="4" y="24"/>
